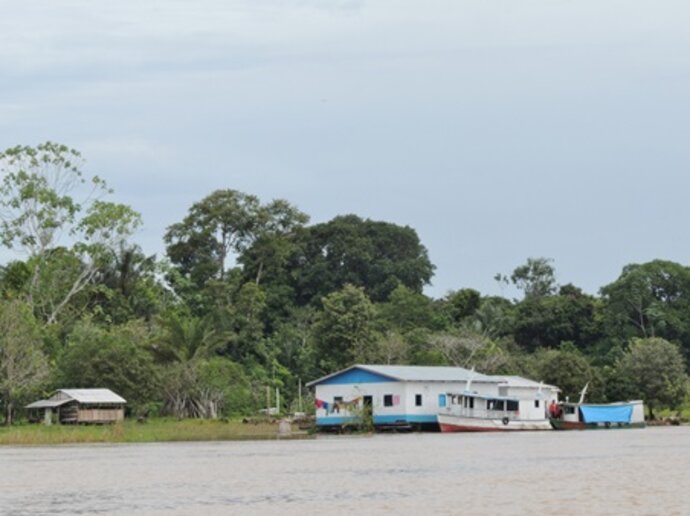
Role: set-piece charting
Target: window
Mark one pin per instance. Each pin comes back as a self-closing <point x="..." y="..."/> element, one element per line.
<point x="387" y="400"/>
<point x="512" y="405"/>
<point x="471" y="402"/>
<point x="495" y="405"/>
<point x="570" y="410"/>
<point x="338" y="399"/>
<point x="417" y="400"/>
<point x="536" y="403"/>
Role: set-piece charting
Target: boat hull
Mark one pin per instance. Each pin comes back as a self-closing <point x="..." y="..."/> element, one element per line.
<point x="558" y="424"/>
<point x="449" y="424"/>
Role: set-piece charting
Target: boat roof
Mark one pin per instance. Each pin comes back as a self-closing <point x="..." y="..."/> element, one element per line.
<point x="415" y="374"/>
<point x="519" y="381"/>
<point x="612" y="404"/>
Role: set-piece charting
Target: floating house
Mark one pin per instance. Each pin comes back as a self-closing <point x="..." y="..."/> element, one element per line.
<point x="70" y="406"/>
<point x="410" y="396"/>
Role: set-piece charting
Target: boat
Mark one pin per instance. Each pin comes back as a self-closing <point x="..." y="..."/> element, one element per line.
<point x="472" y="412"/>
<point x="590" y="416"/>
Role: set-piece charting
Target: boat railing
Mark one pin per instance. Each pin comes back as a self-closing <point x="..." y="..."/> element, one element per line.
<point x="482" y="413"/>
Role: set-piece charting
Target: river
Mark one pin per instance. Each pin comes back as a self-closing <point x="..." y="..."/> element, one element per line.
<point x="597" y="472"/>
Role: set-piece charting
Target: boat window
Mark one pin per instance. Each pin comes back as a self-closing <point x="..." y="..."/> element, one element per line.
<point x="536" y="403"/>
<point x="387" y="400"/>
<point x="338" y="399"/>
<point x="512" y="405"/>
<point x="489" y="404"/>
<point x="569" y="410"/>
<point x="500" y="405"/>
<point x="471" y="402"/>
<point x="418" y="400"/>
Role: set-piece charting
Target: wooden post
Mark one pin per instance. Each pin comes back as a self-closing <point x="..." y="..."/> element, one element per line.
<point x="299" y="398"/>
<point x="277" y="401"/>
<point x="268" y="400"/>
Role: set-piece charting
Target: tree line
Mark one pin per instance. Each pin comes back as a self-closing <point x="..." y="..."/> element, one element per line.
<point x="250" y="296"/>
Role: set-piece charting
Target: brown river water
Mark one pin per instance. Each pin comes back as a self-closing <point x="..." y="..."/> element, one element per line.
<point x="595" y="472"/>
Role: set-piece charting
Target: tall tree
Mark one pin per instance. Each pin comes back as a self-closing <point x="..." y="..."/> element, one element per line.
<point x="547" y="321"/>
<point x="225" y="223"/>
<point x="536" y="278"/>
<point x="377" y="256"/>
<point x="650" y="300"/>
<point x="23" y="366"/>
<point x="38" y="206"/>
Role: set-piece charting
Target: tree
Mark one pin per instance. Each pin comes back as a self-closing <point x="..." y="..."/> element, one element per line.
<point x="653" y="370"/>
<point x="115" y="359"/>
<point x="37" y="207"/>
<point x="224" y="223"/>
<point x="377" y="256"/>
<point x="344" y="331"/>
<point x="547" y="321"/>
<point x="467" y="349"/>
<point x="462" y="303"/>
<point x="23" y="366"/>
<point x="568" y="369"/>
<point x="536" y="278"/>
<point x="407" y="310"/>
<point x="650" y="300"/>
<point x="206" y="388"/>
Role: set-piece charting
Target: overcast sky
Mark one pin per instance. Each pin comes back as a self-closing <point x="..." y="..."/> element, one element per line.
<point x="498" y="129"/>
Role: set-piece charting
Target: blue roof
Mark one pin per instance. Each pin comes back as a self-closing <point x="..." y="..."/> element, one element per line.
<point x="388" y="373"/>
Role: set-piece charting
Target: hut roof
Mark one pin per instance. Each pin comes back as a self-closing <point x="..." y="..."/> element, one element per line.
<point x="93" y="395"/>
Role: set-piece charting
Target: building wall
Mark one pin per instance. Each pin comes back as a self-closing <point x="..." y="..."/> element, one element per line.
<point x="403" y="410"/>
<point x="101" y="415"/>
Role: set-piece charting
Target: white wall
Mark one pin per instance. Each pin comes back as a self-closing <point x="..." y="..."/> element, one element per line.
<point x="430" y="392"/>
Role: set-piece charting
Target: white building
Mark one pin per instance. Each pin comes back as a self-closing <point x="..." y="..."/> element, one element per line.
<point x="409" y="395"/>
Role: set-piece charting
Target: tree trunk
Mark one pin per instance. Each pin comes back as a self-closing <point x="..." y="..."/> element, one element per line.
<point x="9" y="408"/>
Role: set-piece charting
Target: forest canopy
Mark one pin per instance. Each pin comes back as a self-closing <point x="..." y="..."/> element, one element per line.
<point x="250" y="296"/>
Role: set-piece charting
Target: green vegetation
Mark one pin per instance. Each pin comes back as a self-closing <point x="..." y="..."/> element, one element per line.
<point x="130" y="431"/>
<point x="250" y="298"/>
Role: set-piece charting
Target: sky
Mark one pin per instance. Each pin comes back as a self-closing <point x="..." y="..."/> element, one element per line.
<point x="499" y="130"/>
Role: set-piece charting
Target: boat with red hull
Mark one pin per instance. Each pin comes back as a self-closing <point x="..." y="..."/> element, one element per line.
<point x="471" y="412"/>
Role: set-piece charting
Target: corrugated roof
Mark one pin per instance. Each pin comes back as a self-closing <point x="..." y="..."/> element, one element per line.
<point x="93" y="395"/>
<point x="47" y="403"/>
<point x="519" y="381"/>
<point x="418" y="374"/>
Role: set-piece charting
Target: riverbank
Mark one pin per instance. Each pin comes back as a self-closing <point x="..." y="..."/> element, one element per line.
<point x="154" y="430"/>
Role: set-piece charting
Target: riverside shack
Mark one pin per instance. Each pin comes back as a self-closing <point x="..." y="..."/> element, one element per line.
<point x="71" y="406"/>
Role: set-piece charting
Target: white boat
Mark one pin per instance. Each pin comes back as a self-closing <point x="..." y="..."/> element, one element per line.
<point x="472" y="412"/>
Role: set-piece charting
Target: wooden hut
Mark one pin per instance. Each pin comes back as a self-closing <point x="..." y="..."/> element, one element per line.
<point x="70" y="406"/>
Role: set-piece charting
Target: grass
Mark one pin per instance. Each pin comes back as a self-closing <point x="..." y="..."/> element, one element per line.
<point x="154" y="430"/>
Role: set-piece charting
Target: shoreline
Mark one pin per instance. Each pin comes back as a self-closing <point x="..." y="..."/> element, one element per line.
<point x="152" y="431"/>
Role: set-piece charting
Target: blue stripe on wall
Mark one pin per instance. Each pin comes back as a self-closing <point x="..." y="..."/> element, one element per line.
<point x="378" y="420"/>
<point x="354" y="376"/>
